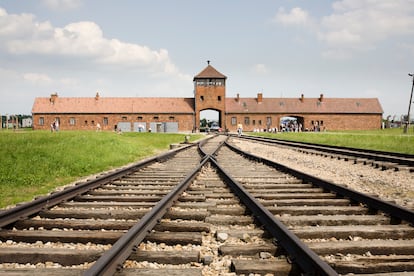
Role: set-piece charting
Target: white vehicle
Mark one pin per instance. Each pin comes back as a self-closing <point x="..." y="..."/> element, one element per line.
<point x="215" y="127"/>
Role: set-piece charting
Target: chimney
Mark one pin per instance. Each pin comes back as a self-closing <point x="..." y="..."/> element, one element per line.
<point x="259" y="97"/>
<point x="97" y="96"/>
<point x="53" y="98"/>
<point x="321" y="98"/>
<point x="237" y="97"/>
<point x="302" y="97"/>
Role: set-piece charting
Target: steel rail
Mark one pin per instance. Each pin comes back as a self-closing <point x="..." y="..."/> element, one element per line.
<point x="400" y="158"/>
<point x="112" y="259"/>
<point x="396" y="212"/>
<point x="308" y="261"/>
<point x="25" y="210"/>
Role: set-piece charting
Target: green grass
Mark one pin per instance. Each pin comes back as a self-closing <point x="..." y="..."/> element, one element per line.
<point x="390" y="140"/>
<point x="36" y="162"/>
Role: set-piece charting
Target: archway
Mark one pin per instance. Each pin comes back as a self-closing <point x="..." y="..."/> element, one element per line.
<point x="210" y="119"/>
<point x="291" y="124"/>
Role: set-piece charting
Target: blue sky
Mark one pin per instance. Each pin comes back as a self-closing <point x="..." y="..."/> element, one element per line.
<point x="132" y="48"/>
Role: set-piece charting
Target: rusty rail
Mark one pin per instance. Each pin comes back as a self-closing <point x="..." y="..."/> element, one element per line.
<point x="299" y="253"/>
<point x="397" y="213"/>
<point x="112" y="259"/>
<point x="392" y="157"/>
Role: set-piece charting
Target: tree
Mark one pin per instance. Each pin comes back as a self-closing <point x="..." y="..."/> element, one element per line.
<point x="203" y="122"/>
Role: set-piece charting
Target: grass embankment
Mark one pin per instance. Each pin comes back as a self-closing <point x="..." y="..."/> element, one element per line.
<point x="390" y="140"/>
<point x="36" y="162"/>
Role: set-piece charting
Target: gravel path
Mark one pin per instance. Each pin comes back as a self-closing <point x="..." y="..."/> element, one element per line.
<point x="388" y="185"/>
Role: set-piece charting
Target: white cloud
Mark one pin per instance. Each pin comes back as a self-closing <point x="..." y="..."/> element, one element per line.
<point x="35" y="78"/>
<point x="22" y="34"/>
<point x="260" y="68"/>
<point x="358" y="24"/>
<point x="62" y="5"/>
<point x="44" y="80"/>
<point x="355" y="25"/>
<point x="296" y="16"/>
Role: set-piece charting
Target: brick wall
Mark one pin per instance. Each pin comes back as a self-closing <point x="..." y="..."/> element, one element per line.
<point x="326" y="122"/>
<point x="90" y="121"/>
<point x="186" y="121"/>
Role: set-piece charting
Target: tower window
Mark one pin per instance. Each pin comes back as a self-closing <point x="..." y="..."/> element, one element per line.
<point x="201" y="98"/>
<point x="219" y="98"/>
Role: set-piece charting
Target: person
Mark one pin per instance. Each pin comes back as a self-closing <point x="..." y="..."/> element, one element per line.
<point x="239" y="129"/>
<point x="98" y="127"/>
<point x="56" y="124"/>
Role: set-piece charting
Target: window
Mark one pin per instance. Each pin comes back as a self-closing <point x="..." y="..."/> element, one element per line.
<point x="171" y="118"/>
<point x="105" y="121"/>
<point x="42" y="121"/>
<point x="246" y="120"/>
<point x="139" y="118"/>
<point x="93" y="122"/>
<point x="233" y="121"/>
<point x="219" y="98"/>
<point x="201" y="98"/>
<point x="268" y="121"/>
<point x="253" y="122"/>
<point x="156" y="118"/>
<point x="86" y="122"/>
<point x="124" y="118"/>
<point x="260" y="122"/>
<point x="72" y="121"/>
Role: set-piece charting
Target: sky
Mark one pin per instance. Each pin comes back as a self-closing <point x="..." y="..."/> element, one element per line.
<point x="134" y="48"/>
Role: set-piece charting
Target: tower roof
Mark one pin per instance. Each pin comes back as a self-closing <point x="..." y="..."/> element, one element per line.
<point x="210" y="73"/>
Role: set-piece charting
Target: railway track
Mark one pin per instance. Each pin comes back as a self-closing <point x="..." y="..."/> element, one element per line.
<point x="377" y="159"/>
<point x="206" y="211"/>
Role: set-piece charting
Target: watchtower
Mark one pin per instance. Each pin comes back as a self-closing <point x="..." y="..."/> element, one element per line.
<point x="210" y="93"/>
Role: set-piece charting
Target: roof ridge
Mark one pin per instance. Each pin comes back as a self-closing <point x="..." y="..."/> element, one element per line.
<point x="209" y="72"/>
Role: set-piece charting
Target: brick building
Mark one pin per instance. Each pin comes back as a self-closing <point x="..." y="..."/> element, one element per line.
<point x="183" y="114"/>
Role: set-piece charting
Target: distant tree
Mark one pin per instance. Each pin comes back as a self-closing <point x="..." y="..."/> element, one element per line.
<point x="203" y="122"/>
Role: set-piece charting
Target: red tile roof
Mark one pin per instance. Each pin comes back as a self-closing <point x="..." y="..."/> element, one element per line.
<point x="306" y="105"/>
<point x="186" y="105"/>
<point x="113" y="105"/>
<point x="210" y="73"/>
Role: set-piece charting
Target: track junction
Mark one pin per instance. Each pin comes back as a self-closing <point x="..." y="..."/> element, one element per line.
<point x="207" y="209"/>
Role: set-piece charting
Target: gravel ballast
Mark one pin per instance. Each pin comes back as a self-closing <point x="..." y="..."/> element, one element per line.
<point x="389" y="185"/>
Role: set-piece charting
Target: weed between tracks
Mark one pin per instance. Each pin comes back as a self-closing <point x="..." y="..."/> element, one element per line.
<point x="35" y="162"/>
